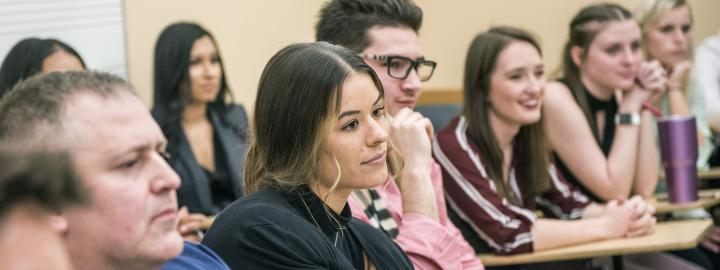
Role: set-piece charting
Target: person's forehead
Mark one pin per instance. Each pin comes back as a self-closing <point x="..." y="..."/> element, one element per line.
<point x="392" y="40"/>
<point x="518" y="54"/>
<point x="92" y="107"/>
<point x="679" y="14"/>
<point x="61" y="61"/>
<point x="203" y="45"/>
<point x="358" y="87"/>
<point x="113" y="119"/>
<point x="626" y="30"/>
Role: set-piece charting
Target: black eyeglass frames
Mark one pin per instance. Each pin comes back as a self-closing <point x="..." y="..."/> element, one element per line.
<point x="399" y="67"/>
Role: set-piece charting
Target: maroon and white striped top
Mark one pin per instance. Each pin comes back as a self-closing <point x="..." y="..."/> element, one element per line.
<point x="473" y="196"/>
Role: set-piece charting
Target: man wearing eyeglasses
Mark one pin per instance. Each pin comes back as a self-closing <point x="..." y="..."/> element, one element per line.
<point x="411" y="210"/>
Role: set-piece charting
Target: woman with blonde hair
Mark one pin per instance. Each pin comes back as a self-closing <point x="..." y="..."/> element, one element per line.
<point x="667" y="34"/>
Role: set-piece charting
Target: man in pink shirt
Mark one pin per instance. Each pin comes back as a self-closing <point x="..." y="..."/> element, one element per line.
<point x="411" y="210"/>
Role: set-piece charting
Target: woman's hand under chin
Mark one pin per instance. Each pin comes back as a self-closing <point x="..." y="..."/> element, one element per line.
<point x="650" y="85"/>
<point x="678" y="76"/>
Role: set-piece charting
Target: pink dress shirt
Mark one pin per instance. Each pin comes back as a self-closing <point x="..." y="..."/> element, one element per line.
<point x="428" y="243"/>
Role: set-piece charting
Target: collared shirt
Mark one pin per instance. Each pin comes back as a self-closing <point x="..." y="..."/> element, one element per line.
<point x="428" y="243"/>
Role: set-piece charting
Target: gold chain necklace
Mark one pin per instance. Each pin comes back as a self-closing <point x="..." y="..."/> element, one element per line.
<point x="317" y="225"/>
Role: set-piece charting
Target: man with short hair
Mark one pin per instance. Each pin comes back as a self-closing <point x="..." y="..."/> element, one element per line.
<point x="412" y="210"/>
<point x="33" y="186"/>
<point x="117" y="150"/>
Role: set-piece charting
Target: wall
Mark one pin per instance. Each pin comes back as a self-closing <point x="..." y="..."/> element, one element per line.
<point x="250" y="32"/>
<point x="94" y="28"/>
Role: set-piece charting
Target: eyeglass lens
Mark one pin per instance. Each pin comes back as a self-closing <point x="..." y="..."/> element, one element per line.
<point x="399" y="68"/>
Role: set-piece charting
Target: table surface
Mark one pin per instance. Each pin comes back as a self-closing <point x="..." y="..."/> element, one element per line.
<point x="713" y="173"/>
<point x="671" y="235"/>
<point x="706" y="198"/>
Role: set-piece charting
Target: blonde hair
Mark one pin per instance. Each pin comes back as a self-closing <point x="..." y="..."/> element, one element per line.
<point x="650" y="13"/>
<point x="653" y="10"/>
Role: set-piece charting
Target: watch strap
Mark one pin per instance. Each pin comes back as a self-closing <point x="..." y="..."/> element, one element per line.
<point x="627" y="119"/>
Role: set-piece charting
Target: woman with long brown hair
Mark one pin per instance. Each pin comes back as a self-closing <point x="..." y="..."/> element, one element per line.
<point x="496" y="164"/>
<point x="319" y="131"/>
<point x="602" y="138"/>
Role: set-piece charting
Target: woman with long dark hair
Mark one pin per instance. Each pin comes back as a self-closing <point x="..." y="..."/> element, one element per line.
<point x="32" y="56"/>
<point x="206" y="133"/>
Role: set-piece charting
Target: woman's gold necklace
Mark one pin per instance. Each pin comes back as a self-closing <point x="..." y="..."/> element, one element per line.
<point x="317" y="225"/>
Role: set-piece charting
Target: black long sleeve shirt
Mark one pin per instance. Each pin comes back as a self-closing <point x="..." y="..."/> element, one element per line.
<point x="275" y="229"/>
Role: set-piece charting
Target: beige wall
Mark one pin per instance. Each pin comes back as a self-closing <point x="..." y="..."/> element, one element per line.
<point x="250" y="32"/>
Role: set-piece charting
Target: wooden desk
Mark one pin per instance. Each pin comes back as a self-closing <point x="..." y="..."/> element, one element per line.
<point x="706" y="199"/>
<point x="710" y="174"/>
<point x="713" y="173"/>
<point x="441" y="96"/>
<point x="672" y="235"/>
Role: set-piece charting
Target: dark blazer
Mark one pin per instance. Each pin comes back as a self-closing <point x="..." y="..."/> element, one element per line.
<point x="230" y="129"/>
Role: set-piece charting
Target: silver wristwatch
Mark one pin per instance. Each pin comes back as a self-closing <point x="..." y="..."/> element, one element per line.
<point x="627" y="119"/>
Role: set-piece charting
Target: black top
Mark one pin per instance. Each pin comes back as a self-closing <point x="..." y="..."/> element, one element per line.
<point x="220" y="182"/>
<point x="275" y="229"/>
<point x="610" y="107"/>
<point x="201" y="191"/>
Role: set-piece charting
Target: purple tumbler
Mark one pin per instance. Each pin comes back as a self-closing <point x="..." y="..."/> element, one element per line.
<point x="679" y="152"/>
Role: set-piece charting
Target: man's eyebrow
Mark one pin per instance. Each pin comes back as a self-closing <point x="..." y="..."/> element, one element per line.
<point x="140" y="147"/>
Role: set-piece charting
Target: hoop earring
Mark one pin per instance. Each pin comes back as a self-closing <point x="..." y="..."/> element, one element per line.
<point x="339" y="173"/>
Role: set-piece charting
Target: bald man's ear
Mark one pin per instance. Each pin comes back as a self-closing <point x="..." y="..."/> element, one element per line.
<point x="58" y="223"/>
<point x="577" y="54"/>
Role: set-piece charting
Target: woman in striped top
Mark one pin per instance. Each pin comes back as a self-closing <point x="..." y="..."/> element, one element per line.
<point x="496" y="165"/>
